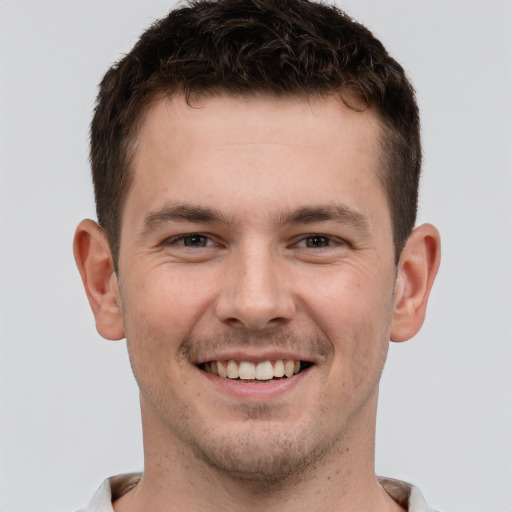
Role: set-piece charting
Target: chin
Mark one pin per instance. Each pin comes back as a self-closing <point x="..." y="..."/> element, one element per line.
<point x="263" y="454"/>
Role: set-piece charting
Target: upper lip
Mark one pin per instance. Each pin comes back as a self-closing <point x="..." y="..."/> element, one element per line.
<point x="255" y="356"/>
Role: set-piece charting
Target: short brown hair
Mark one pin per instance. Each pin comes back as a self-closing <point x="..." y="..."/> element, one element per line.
<point x="250" y="47"/>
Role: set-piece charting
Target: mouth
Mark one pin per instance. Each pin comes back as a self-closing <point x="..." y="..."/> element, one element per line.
<point x="262" y="372"/>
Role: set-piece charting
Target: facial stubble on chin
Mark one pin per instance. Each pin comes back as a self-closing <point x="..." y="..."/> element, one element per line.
<point x="262" y="453"/>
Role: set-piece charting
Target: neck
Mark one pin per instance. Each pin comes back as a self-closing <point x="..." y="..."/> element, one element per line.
<point x="176" y="479"/>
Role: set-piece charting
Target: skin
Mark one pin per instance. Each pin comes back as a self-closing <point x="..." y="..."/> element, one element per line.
<point x="256" y="229"/>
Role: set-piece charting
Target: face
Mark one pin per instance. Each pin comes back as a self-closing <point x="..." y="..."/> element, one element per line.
<point x="256" y="278"/>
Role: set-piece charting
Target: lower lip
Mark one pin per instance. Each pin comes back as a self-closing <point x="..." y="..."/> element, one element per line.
<point x="252" y="391"/>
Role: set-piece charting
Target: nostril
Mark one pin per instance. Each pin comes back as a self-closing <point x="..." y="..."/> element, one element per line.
<point x="253" y="321"/>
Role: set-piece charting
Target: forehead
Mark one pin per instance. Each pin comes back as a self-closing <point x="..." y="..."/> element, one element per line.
<point x="258" y="119"/>
<point x="271" y="151"/>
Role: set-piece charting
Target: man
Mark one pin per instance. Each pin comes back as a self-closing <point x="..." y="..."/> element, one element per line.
<point x="256" y="166"/>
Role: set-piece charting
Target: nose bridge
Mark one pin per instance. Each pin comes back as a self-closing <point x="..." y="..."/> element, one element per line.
<point x="255" y="292"/>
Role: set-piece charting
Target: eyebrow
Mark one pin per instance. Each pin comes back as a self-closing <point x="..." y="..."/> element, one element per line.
<point x="337" y="213"/>
<point x="184" y="212"/>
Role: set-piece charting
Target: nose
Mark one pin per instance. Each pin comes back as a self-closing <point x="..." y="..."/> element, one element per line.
<point x="256" y="292"/>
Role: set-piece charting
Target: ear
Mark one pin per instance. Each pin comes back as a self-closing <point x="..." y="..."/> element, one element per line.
<point x="95" y="264"/>
<point x="417" y="269"/>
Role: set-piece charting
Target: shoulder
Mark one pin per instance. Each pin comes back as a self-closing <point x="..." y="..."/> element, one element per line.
<point x="111" y="489"/>
<point x="406" y="495"/>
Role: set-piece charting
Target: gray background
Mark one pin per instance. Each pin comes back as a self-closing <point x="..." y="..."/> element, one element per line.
<point x="68" y="404"/>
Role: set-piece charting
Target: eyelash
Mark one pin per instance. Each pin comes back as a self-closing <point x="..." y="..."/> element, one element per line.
<point x="321" y="239"/>
<point x="330" y="240"/>
<point x="181" y="239"/>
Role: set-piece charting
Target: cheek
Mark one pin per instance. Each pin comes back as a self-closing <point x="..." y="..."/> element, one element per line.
<point x="159" y="310"/>
<point x="167" y="300"/>
<point x="353" y="309"/>
<point x="348" y="298"/>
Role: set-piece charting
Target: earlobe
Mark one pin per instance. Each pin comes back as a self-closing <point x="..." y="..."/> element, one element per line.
<point x="417" y="270"/>
<point x="94" y="261"/>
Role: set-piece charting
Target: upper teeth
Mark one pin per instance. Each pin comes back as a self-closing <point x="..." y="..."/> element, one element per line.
<point x="265" y="370"/>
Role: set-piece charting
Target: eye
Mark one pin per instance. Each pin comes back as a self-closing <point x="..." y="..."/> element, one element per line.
<point x="317" y="241"/>
<point x="192" y="240"/>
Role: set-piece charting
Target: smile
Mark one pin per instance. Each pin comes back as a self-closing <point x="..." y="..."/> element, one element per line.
<point x="255" y="372"/>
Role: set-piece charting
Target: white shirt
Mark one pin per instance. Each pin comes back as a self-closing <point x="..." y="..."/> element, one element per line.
<point x="403" y="493"/>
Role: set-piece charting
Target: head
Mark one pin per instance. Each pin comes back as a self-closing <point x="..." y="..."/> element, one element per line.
<point x="256" y="167"/>
<point x="276" y="48"/>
